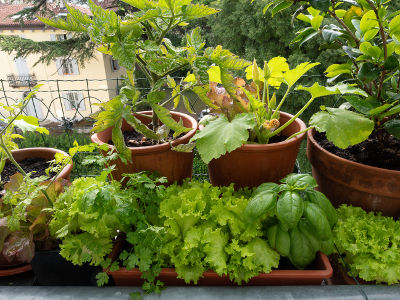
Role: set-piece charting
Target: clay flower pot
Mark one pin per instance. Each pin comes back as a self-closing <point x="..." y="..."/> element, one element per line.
<point x="159" y="158"/>
<point x="44" y="153"/>
<point x="347" y="182"/>
<point x="322" y="270"/>
<point x="254" y="164"/>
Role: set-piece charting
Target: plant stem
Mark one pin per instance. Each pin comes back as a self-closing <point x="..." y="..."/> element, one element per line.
<point x="10" y="157"/>
<point x="300" y="132"/>
<point x="340" y="21"/>
<point x="178" y="94"/>
<point x="280" y="129"/>
<point x="282" y="100"/>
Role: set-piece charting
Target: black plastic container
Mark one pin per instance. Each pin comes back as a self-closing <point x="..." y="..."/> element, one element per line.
<point x="51" y="268"/>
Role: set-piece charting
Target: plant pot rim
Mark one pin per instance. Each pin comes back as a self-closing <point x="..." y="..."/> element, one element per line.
<point x="324" y="272"/>
<point x="355" y="165"/>
<point x="279" y="145"/>
<point x="156" y="148"/>
<point x="65" y="171"/>
<point x="15" y="270"/>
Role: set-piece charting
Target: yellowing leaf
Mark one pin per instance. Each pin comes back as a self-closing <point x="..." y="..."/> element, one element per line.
<point x="190" y="78"/>
<point x="368" y="21"/>
<point x="277" y="67"/>
<point x="214" y="74"/>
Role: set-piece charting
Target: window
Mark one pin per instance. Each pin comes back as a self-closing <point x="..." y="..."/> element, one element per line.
<point x="61" y="37"/>
<point x="114" y="65"/>
<point x="74" y="101"/>
<point x="67" y="66"/>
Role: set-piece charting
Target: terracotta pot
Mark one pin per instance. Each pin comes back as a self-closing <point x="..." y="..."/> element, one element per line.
<point x="44" y="153"/>
<point x="347" y="182"/>
<point x="15" y="270"/>
<point x="322" y="271"/>
<point x="174" y="165"/>
<point x="254" y="164"/>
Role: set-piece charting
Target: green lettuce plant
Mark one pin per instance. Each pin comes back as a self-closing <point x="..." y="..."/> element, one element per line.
<point x="249" y="113"/>
<point x="367" y="34"/>
<point x="140" y="40"/>
<point x="301" y="221"/>
<point x="369" y="244"/>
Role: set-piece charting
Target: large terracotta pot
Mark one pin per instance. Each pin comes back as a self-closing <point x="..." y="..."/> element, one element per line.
<point x="44" y="153"/>
<point x="347" y="182"/>
<point x="254" y="164"/>
<point x="174" y="165"/>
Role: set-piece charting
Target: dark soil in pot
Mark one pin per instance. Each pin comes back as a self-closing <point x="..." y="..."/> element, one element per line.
<point x="36" y="165"/>
<point x="383" y="152"/>
<point x="135" y="139"/>
<point x="51" y="268"/>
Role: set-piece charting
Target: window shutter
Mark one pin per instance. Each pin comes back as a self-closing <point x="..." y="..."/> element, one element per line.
<point x="81" y="102"/>
<point x="53" y="37"/>
<point x="67" y="104"/>
<point x="59" y="66"/>
<point x="75" y="67"/>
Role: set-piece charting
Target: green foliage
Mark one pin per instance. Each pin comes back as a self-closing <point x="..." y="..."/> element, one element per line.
<point x="366" y="33"/>
<point x="369" y="243"/>
<point x="16" y="120"/>
<point x="250" y="112"/>
<point x="206" y="230"/>
<point x="221" y="136"/>
<point x="301" y="219"/>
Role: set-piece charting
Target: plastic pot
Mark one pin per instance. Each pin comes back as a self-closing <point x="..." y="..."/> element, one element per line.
<point x="51" y="268"/>
<point x="347" y="182"/>
<point x="323" y="270"/>
<point x="254" y="164"/>
<point x="158" y="158"/>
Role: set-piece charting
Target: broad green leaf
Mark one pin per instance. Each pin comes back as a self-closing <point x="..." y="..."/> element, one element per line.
<point x="378" y="110"/>
<point x="391" y="63"/>
<point x="392" y="111"/>
<point x="368" y="21"/>
<point x="259" y="205"/>
<point x="195" y="11"/>
<point x="338" y="69"/>
<point x="393" y="127"/>
<point x="370" y="34"/>
<point x="344" y="128"/>
<point x="282" y="242"/>
<point x="331" y="32"/>
<point x="301" y="250"/>
<point x="360" y="104"/>
<point x="319" y="91"/>
<point x="289" y="209"/>
<point x="316" y="22"/>
<point x="221" y="136"/>
<point x="291" y="76"/>
<point x="165" y="117"/>
<point x="280" y="6"/>
<point x="119" y="143"/>
<point x="125" y="53"/>
<point x="155" y="97"/>
<point x="300" y="181"/>
<point x="304" y="35"/>
<point x="368" y="72"/>
<point x="140" y="127"/>
<point x="394" y="25"/>
<point x="370" y="50"/>
<point x="326" y="206"/>
<point x="317" y="218"/>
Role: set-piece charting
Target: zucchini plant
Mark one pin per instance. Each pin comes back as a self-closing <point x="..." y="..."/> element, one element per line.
<point x="302" y="221"/>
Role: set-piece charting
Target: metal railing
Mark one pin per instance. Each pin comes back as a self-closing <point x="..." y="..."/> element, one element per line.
<point x="16" y="81"/>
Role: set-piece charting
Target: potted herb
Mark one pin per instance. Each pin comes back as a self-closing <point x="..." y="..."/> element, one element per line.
<point x="354" y="148"/>
<point x="11" y="157"/>
<point x="140" y="40"/>
<point x="249" y="141"/>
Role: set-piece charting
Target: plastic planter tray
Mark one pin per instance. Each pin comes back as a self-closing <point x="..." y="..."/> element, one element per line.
<point x="323" y="270"/>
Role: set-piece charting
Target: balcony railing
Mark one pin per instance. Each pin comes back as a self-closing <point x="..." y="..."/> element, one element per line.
<point x="21" y="81"/>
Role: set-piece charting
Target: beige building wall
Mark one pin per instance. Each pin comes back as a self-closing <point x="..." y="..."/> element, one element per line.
<point x="96" y="75"/>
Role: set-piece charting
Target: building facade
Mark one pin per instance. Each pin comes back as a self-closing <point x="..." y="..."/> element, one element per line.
<point x="69" y="90"/>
